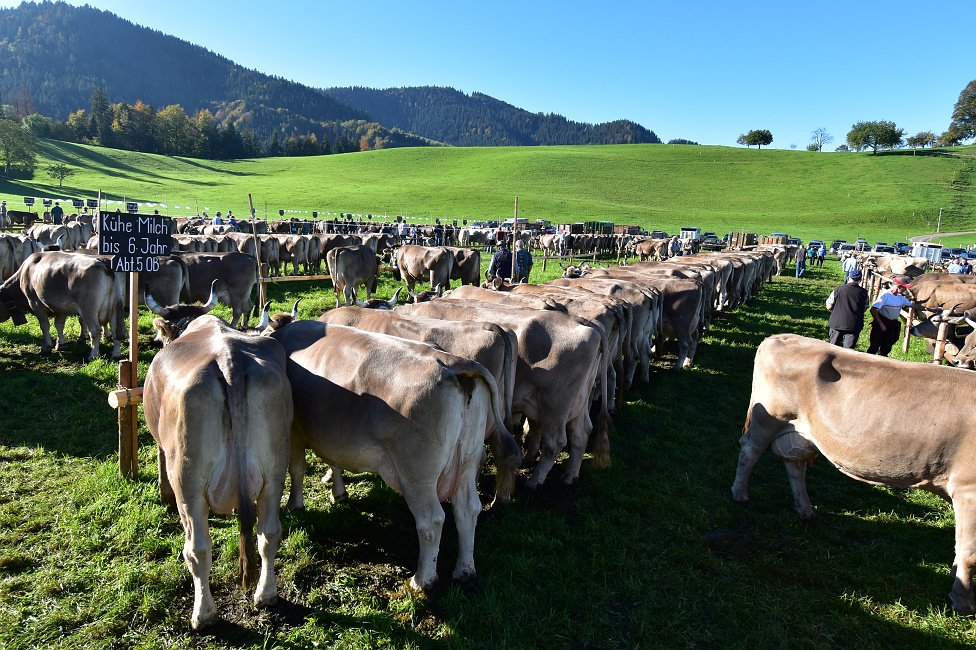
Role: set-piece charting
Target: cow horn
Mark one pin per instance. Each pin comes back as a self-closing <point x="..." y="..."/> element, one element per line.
<point x="294" y="309"/>
<point x="154" y="306"/>
<point x="265" y="316"/>
<point x="360" y="302"/>
<point x="562" y="267"/>
<point x="212" y="300"/>
<point x="393" y="301"/>
<point x="437" y="289"/>
<point x="971" y="322"/>
<point x="413" y="294"/>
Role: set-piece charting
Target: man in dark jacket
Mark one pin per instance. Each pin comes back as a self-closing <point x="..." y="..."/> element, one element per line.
<point x="502" y="263"/>
<point x="847" y="304"/>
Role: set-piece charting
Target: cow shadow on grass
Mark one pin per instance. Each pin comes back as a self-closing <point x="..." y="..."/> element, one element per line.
<point x="56" y="401"/>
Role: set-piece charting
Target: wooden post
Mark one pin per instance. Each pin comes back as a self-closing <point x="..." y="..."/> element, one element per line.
<point x="511" y="279"/>
<point x="940" y="344"/>
<point x="908" y="330"/>
<point x="262" y="292"/>
<point x="128" y="379"/>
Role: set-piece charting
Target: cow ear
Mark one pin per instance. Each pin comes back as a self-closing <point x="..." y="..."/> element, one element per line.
<point x="164" y="330"/>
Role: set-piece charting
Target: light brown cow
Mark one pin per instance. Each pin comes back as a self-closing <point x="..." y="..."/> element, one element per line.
<point x="810" y="397"/>
<point x="351" y="266"/>
<point x="218" y="403"/>
<point x="561" y="359"/>
<point x="367" y="402"/>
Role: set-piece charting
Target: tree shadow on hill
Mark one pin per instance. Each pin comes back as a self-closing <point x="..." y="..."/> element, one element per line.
<point x="197" y="163"/>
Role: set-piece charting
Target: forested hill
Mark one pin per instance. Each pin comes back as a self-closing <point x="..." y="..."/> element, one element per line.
<point x="453" y="117"/>
<point x="53" y="55"/>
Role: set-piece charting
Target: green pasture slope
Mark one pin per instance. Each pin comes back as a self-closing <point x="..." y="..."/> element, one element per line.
<point x="888" y="196"/>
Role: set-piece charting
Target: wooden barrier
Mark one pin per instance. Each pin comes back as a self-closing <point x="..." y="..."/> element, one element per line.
<point x="565" y="257"/>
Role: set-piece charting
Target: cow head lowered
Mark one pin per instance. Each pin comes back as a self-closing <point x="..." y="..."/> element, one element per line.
<point x="376" y="303"/>
<point x="175" y="318"/>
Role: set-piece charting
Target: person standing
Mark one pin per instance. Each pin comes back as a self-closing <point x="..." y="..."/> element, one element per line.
<point x="502" y="263"/>
<point x="847" y="304"/>
<point x="523" y="261"/>
<point x="885" y="325"/>
<point x="57" y="214"/>
<point x="801" y="261"/>
<point x="821" y="254"/>
<point x="4" y="217"/>
<point x="956" y="266"/>
<point x="850" y="265"/>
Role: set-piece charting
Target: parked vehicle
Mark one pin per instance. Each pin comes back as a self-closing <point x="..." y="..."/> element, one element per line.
<point x="903" y="248"/>
<point x="834" y="245"/>
<point x="793" y="241"/>
<point x="959" y="252"/>
<point x="844" y="248"/>
<point x="884" y="248"/>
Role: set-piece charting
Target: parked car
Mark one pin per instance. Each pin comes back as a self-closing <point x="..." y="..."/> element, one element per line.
<point x="834" y="245"/>
<point x="658" y="234"/>
<point x="844" y="248"/>
<point x="815" y="244"/>
<point x="884" y="248"/>
<point x="959" y="252"/>
<point x="903" y="248"/>
<point x="792" y="241"/>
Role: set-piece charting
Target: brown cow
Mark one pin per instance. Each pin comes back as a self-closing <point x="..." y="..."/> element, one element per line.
<point x="810" y="397"/>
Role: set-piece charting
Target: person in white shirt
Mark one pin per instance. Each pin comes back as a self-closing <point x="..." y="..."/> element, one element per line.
<point x="885" y="325"/>
<point x="849" y="265"/>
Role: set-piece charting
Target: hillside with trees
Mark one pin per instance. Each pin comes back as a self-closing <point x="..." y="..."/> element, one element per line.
<point x="52" y="66"/>
<point x="453" y="117"/>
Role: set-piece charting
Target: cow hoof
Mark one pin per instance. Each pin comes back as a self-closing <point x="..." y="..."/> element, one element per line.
<point x="416" y="585"/>
<point x="204" y="620"/>
<point x="267" y="601"/>
<point x="343" y="496"/>
<point x="464" y="575"/>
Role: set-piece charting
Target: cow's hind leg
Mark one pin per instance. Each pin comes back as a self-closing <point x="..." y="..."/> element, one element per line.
<point x="466" y="506"/>
<point x="429" y="517"/>
<point x="961" y="595"/>
<point x="579" y="433"/>
<point x="296" y="471"/>
<point x="338" y="485"/>
<point x="761" y="431"/>
<point x="197" y="551"/>
<point x="269" y="538"/>
<point x="553" y="442"/>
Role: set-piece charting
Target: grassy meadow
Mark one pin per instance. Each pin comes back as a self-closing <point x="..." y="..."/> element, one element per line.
<point x="648" y="553"/>
<point x="889" y="196"/>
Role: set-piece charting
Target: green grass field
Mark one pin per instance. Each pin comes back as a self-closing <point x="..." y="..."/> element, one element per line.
<point x="889" y="196"/>
<point x="648" y="553"/>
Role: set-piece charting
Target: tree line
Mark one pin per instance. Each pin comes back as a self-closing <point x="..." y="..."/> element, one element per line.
<point x="884" y="134"/>
<point x="171" y="132"/>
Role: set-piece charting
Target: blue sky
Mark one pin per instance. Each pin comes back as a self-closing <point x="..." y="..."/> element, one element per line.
<point x="701" y="70"/>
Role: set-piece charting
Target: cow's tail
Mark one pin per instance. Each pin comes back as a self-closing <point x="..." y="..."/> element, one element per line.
<point x="507" y="453"/>
<point x="233" y="370"/>
<point x="507" y="387"/>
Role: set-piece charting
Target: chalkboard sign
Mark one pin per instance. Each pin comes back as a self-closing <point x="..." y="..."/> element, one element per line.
<point x="131" y="208"/>
<point x="91" y="203"/>
<point x="47" y="203"/>
<point x="134" y="239"/>
<point x="28" y="200"/>
<point x="78" y="203"/>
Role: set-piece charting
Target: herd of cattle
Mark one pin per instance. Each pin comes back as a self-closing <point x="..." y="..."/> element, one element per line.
<point x="414" y="392"/>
